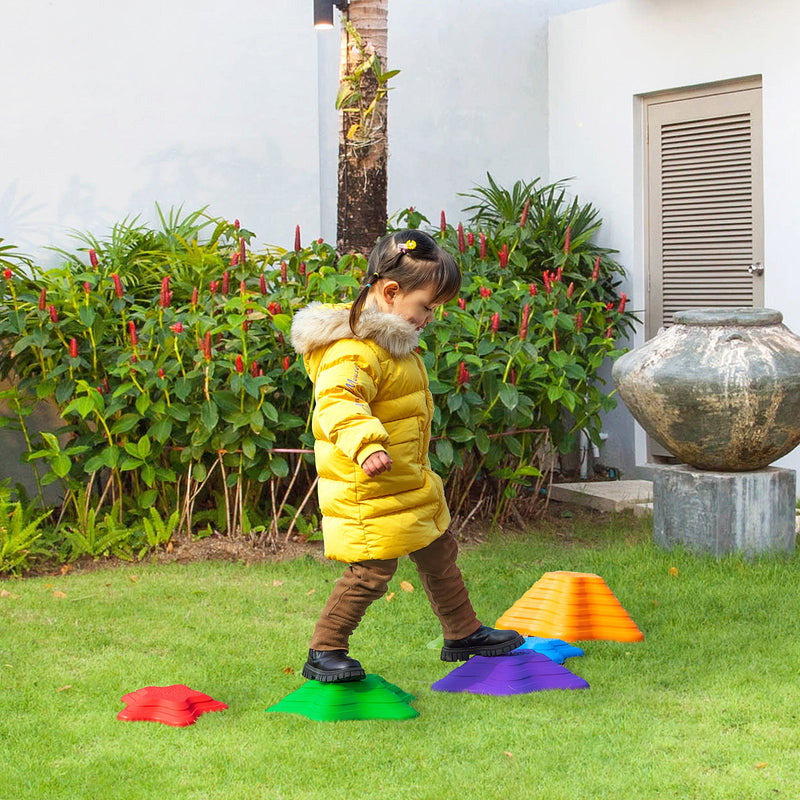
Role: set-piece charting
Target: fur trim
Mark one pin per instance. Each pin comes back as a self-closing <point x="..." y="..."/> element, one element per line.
<point x="321" y="324"/>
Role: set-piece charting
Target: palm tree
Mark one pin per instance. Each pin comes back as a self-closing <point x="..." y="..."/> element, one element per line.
<point x="362" y="101"/>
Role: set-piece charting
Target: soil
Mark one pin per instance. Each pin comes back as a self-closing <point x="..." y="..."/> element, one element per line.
<point x="218" y="547"/>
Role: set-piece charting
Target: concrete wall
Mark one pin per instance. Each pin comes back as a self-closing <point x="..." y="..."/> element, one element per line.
<point x="112" y="107"/>
<point x="601" y="58"/>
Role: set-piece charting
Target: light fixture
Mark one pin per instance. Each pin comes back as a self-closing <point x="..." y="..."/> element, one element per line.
<point x="323" y="12"/>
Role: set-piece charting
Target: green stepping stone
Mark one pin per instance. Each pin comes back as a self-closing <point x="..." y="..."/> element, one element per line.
<point x="372" y="698"/>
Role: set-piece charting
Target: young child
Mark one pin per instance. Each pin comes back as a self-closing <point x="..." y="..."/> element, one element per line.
<point x="372" y="424"/>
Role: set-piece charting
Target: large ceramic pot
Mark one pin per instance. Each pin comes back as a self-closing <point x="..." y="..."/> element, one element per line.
<point x="720" y="389"/>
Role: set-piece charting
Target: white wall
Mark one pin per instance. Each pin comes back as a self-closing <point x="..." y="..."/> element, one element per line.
<point x="601" y="58"/>
<point x="112" y="107"/>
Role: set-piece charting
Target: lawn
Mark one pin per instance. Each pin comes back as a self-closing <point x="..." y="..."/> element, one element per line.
<point x="706" y="707"/>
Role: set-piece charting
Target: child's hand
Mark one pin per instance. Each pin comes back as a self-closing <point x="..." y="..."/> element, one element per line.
<point x="376" y="463"/>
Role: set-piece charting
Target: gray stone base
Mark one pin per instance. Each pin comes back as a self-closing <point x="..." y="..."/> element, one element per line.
<point x="725" y="512"/>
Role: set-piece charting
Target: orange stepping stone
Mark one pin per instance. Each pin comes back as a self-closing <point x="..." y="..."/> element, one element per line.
<point x="573" y="606"/>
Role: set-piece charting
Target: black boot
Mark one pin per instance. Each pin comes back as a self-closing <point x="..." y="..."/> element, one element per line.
<point x="485" y="641"/>
<point x="332" y="666"/>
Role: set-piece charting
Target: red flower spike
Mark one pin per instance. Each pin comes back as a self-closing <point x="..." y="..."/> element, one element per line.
<point x="503" y="256"/>
<point x="87" y="287"/>
<point x="132" y="332"/>
<point x="254" y="369"/>
<point x="93" y="257"/>
<point x="523" y="327"/>
<point x="161" y="373"/>
<point x="195" y="294"/>
<point x="558" y="275"/>
<point x="106" y="387"/>
<point x="463" y="374"/>
<point x="207" y="346"/>
<point x="73" y="347"/>
<point x="283" y="272"/>
<point x="609" y="332"/>
<point x="239" y="363"/>
<point x="226" y="279"/>
<point x="461" y="246"/>
<point x="546" y="278"/>
<point x="281" y="341"/>
<point x="212" y="287"/>
<point x="242" y="250"/>
<point x="555" y="312"/>
<point x="609" y="306"/>
<point x="443" y="222"/>
<point x="570" y="289"/>
<point x="320" y="240"/>
<point x="302" y="268"/>
<point x="578" y="321"/>
<point x="567" y="240"/>
<point x="176" y="705"/>
<point x="286" y="363"/>
<point x="260" y="372"/>
<point x="236" y="224"/>
<point x="462" y="303"/>
<point x="166" y="294"/>
<point x="495" y="322"/>
<point x="470" y="239"/>
<point x="234" y="258"/>
<point x="278" y="308"/>
<point x="513" y="378"/>
<point x="297" y="246"/>
<point x="596" y="270"/>
<point x="43" y="300"/>
<point x="533" y="290"/>
<point x="524" y="217"/>
<point x="246" y="325"/>
<point x="486" y="292"/>
<point x="622" y="300"/>
<point x="262" y="282"/>
<point x="176" y="327"/>
<point x="118" y="290"/>
<point x="242" y="287"/>
<point x="482" y="247"/>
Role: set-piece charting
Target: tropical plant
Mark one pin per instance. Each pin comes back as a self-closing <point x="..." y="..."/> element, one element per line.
<point x="19" y="531"/>
<point x="167" y="357"/>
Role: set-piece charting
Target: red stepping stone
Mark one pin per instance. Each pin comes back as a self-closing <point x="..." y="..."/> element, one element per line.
<point x="176" y="705"/>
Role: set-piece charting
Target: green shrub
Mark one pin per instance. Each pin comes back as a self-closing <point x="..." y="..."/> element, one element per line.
<point x="166" y="352"/>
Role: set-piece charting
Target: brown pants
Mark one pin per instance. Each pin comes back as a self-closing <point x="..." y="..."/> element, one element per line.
<point x="367" y="581"/>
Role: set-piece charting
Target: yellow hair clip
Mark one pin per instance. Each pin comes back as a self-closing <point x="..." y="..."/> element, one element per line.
<point x="409" y="244"/>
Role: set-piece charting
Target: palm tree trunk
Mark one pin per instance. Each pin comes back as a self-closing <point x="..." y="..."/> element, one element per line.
<point x="363" y="151"/>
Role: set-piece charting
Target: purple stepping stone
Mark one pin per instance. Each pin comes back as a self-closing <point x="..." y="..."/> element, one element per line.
<point x="519" y="672"/>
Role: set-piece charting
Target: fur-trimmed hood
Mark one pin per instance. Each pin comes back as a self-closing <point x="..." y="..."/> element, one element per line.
<point x="321" y="324"/>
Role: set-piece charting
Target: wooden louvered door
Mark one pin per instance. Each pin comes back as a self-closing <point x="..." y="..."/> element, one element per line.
<point x="704" y="204"/>
<point x="704" y="201"/>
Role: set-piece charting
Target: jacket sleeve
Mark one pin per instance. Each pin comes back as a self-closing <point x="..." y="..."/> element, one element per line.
<point x="346" y="383"/>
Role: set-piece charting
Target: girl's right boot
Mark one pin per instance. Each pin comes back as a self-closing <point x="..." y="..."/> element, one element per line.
<point x="332" y="666"/>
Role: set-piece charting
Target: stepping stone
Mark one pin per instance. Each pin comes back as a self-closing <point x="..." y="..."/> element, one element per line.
<point x="372" y="698"/>
<point x="555" y="649"/>
<point x="573" y="606"/>
<point x="520" y="672"/>
<point x="175" y="705"/>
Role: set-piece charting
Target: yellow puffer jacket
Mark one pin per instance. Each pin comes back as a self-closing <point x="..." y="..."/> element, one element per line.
<point x="371" y="393"/>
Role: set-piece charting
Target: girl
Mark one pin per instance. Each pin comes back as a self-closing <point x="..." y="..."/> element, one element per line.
<point x="372" y="423"/>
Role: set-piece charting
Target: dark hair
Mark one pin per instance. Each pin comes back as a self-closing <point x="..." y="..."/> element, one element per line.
<point x="414" y="260"/>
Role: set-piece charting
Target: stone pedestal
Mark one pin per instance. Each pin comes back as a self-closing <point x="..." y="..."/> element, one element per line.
<point x="725" y="512"/>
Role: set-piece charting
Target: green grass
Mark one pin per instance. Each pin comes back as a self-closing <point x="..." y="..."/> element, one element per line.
<point x="706" y="707"/>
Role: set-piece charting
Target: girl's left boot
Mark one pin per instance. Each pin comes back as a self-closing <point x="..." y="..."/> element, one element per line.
<point x="485" y="641"/>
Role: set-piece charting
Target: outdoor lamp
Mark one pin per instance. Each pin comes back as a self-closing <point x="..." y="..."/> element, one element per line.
<point x="323" y="12"/>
